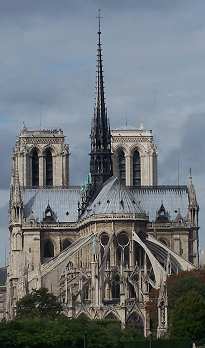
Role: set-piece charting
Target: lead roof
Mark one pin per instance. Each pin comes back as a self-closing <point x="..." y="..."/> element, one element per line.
<point x="113" y="198"/>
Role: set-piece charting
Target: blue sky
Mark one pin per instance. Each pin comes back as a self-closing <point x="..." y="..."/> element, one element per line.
<point x="154" y="62"/>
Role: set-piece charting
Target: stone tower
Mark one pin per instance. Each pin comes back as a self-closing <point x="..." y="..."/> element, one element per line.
<point x="40" y="163"/>
<point x="42" y="158"/>
<point x="134" y="157"/>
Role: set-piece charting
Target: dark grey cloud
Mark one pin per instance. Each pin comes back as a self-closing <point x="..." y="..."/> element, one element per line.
<point x="4" y="214"/>
<point x="6" y="141"/>
<point x="4" y="232"/>
<point x="52" y="6"/>
<point x="188" y="153"/>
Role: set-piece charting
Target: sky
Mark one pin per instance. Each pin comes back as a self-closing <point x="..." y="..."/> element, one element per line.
<point x="154" y="68"/>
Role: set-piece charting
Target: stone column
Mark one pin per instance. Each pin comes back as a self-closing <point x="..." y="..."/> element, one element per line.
<point x="25" y="169"/>
<point x="112" y="254"/>
<point x="147" y="331"/>
<point x="144" y="170"/>
<point x="29" y="171"/>
<point x="65" y="170"/>
<point x="131" y="254"/>
<point x="112" y="247"/>
<point x="61" y="183"/>
<point x="95" y="283"/>
<point x="154" y="158"/>
<point x="128" y="169"/>
<point x="55" y="166"/>
<point x="20" y="167"/>
<point x="151" y="170"/>
<point x="57" y="170"/>
<point x="41" y="171"/>
<point x="148" y="170"/>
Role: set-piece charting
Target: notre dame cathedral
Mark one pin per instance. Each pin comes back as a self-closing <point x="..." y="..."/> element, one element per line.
<point x="102" y="247"/>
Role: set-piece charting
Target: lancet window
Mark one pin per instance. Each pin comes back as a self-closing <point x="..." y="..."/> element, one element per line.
<point x="49" y="167"/>
<point x="35" y="168"/>
<point x="122" y="167"/>
<point x="115" y="290"/>
<point x="136" y="169"/>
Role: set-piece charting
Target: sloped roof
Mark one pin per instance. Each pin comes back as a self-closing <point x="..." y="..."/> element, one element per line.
<point x="114" y="199"/>
<point x="63" y="202"/>
<point x="173" y="198"/>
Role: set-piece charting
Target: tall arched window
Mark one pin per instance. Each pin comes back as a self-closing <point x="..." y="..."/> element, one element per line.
<point x="49" y="167"/>
<point x="48" y="249"/>
<point x="121" y="167"/>
<point x="115" y="286"/>
<point x="136" y="169"/>
<point x="35" y="168"/>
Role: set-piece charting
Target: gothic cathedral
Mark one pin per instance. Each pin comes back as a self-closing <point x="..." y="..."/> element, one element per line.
<point x="100" y="248"/>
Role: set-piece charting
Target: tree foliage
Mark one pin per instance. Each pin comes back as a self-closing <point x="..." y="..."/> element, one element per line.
<point x="186" y="298"/>
<point x="40" y="323"/>
<point x="178" y="285"/>
<point x="188" y="316"/>
<point x="63" y="332"/>
<point x="38" y="304"/>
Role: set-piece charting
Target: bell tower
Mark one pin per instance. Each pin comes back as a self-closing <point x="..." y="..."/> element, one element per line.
<point x="42" y="158"/>
<point x="134" y="157"/>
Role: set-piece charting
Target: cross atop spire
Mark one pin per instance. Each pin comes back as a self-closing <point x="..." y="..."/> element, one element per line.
<point x="99" y="22"/>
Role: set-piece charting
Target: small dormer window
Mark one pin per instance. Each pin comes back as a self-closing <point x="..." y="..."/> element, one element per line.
<point x="49" y="215"/>
<point x="162" y="214"/>
<point x="179" y="219"/>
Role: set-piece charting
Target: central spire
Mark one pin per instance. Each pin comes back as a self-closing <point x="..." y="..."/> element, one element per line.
<point x="101" y="158"/>
<point x="100" y="97"/>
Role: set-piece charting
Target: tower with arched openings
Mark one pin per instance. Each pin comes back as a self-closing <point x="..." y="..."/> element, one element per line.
<point x="134" y="157"/>
<point x="42" y="158"/>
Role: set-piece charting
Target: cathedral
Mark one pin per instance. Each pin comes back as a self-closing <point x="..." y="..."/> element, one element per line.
<point x="102" y="247"/>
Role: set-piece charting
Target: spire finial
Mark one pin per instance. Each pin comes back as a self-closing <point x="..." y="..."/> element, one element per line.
<point x="99" y="22"/>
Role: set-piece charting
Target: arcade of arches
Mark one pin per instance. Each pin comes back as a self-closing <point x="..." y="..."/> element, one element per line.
<point x="37" y="169"/>
<point x="128" y="168"/>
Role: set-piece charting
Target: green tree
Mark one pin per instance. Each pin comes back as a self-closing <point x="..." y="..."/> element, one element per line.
<point x="180" y="284"/>
<point x="38" y="304"/>
<point x="188" y="317"/>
